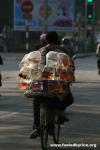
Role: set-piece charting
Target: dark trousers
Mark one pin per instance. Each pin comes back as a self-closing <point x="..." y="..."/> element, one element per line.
<point x="36" y="112"/>
<point x="61" y="105"/>
<point x="0" y="79"/>
<point x="98" y="63"/>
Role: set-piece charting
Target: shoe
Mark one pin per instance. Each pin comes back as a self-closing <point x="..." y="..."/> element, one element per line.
<point x="35" y="133"/>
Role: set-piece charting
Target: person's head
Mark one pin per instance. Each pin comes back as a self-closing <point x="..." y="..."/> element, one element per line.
<point x="43" y="39"/>
<point x="52" y="37"/>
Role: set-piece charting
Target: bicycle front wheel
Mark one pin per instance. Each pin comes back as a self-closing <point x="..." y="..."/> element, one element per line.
<point x="43" y="128"/>
<point x="56" y="135"/>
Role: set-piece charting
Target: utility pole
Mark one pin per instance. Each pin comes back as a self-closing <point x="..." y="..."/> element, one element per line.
<point x="27" y="7"/>
<point x="46" y="16"/>
<point x="89" y="18"/>
<point x="85" y="28"/>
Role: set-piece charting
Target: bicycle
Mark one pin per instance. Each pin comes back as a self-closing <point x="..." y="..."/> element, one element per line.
<point x="49" y="118"/>
<point x="48" y="124"/>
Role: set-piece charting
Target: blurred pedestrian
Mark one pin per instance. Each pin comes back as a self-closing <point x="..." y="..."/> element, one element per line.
<point x="98" y="57"/>
<point x="1" y="63"/>
<point x="68" y="45"/>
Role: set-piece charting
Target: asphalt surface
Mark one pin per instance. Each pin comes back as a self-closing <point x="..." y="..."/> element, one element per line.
<point x="16" y="110"/>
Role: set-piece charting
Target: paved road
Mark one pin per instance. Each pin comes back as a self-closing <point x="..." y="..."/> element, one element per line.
<point x="16" y="110"/>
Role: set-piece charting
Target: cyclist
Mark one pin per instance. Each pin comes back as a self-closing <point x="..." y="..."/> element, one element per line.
<point x="52" y="39"/>
<point x="1" y="63"/>
<point x="68" y="45"/>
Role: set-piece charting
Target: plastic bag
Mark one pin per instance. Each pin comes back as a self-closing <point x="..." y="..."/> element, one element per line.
<point x="48" y="73"/>
<point x="30" y="66"/>
<point x="0" y="79"/>
<point x="33" y="57"/>
<point x="65" y="67"/>
<point x="24" y="84"/>
<point x="65" y="74"/>
<point x="63" y="60"/>
<point x="51" y="59"/>
<point x="24" y="61"/>
<point x="59" y="67"/>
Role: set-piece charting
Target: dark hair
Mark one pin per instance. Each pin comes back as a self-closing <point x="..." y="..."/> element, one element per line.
<point x="52" y="37"/>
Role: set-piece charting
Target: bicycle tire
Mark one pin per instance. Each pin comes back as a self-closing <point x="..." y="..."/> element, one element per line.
<point x="56" y="134"/>
<point x="43" y="128"/>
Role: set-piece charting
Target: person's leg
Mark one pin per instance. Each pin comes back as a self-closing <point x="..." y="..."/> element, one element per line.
<point x="67" y="101"/>
<point x="36" y="112"/>
<point x="36" y="117"/>
<point x="0" y="79"/>
<point x="98" y="65"/>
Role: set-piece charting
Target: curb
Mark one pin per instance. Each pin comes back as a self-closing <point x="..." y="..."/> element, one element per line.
<point x="81" y="55"/>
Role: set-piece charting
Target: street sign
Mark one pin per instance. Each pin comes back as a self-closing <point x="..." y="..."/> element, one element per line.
<point x="27" y="6"/>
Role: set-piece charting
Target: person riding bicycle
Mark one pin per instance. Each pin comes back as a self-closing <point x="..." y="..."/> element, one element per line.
<point x="68" y="45"/>
<point x="53" y="44"/>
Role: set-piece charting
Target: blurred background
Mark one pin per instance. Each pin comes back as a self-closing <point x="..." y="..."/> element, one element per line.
<point x="85" y="29"/>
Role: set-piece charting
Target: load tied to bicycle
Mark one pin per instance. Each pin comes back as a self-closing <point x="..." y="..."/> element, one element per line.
<point x="46" y="76"/>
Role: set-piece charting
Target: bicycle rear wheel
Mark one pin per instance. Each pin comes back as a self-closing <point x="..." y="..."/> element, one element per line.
<point x="43" y="128"/>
